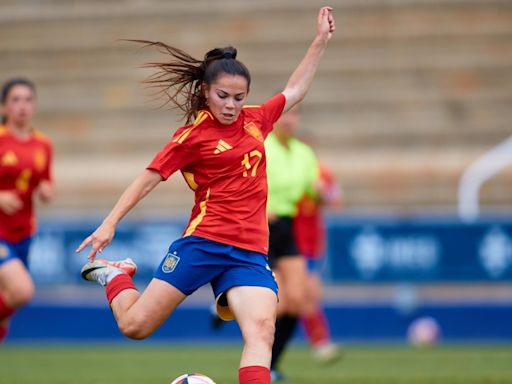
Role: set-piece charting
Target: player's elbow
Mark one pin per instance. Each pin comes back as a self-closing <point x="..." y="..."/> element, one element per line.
<point x="294" y="94"/>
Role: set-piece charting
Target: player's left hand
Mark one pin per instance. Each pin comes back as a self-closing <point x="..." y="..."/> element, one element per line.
<point x="325" y="23"/>
<point x="45" y="191"/>
<point x="98" y="240"/>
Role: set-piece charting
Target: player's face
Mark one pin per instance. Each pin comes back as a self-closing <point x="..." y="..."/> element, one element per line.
<point x="226" y="97"/>
<point x="19" y="106"/>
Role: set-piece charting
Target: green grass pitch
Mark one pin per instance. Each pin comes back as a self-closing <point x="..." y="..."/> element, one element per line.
<point x="158" y="364"/>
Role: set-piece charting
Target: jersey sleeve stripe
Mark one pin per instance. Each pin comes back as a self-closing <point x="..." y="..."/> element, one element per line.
<point x="201" y="117"/>
<point x="181" y="138"/>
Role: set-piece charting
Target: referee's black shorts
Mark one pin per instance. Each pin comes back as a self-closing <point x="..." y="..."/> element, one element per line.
<point x="282" y="241"/>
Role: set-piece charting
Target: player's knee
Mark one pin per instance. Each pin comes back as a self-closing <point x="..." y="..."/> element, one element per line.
<point x="134" y="328"/>
<point x="261" y="332"/>
<point x="20" y="295"/>
<point x="295" y="303"/>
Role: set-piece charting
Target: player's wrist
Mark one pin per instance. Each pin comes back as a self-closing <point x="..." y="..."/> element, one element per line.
<point x="109" y="222"/>
<point x="320" y="41"/>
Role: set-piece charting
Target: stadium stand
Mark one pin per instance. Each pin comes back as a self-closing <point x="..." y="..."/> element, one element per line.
<point x="409" y="93"/>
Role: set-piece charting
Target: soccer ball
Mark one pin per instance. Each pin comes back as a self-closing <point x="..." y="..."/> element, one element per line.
<point x="193" y="378"/>
<point x="424" y="332"/>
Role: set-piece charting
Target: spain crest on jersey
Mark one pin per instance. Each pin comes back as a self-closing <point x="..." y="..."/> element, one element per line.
<point x="253" y="130"/>
<point x="170" y="262"/>
<point x="40" y="160"/>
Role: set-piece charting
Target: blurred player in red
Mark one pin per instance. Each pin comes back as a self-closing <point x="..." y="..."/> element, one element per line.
<point x="309" y="231"/>
<point x="222" y="158"/>
<point x="25" y="173"/>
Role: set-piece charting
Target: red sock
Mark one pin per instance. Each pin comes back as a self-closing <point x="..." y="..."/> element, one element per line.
<point x="3" y="333"/>
<point x="5" y="310"/>
<point x="118" y="284"/>
<point x="254" y="374"/>
<point x="316" y="327"/>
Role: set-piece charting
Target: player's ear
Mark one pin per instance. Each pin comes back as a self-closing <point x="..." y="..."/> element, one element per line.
<point x="205" y="88"/>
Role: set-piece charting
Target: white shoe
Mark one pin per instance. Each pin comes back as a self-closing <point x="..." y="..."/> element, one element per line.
<point x="327" y="353"/>
<point x="102" y="271"/>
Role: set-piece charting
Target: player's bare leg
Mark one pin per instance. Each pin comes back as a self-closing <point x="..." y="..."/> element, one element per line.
<point x="313" y="294"/>
<point x="315" y="322"/>
<point x="16" y="290"/>
<point x="139" y="315"/>
<point x="292" y="274"/>
<point x="16" y="285"/>
<point x="255" y="311"/>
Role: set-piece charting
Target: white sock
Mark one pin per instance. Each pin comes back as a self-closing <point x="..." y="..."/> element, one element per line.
<point x="113" y="274"/>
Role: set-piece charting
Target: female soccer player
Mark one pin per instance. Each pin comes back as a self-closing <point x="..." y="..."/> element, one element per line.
<point x="222" y="158"/>
<point x="25" y="172"/>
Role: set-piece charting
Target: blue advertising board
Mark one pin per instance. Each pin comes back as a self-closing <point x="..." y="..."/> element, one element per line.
<point x="358" y="250"/>
<point x="53" y="259"/>
<point x="420" y="250"/>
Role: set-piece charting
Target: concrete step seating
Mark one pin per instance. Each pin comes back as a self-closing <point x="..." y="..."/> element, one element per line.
<point x="407" y="95"/>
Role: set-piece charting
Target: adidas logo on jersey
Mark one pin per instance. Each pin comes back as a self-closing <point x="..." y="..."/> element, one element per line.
<point x="9" y="159"/>
<point x="222" y="146"/>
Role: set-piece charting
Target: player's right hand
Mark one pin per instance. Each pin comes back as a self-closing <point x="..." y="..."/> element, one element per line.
<point x="98" y="240"/>
<point x="10" y="203"/>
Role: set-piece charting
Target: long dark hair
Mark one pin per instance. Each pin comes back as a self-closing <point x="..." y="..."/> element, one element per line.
<point x="180" y="80"/>
<point x="10" y="84"/>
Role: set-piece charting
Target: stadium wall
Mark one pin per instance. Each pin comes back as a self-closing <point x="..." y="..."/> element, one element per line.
<point x="459" y="322"/>
<point x="379" y="253"/>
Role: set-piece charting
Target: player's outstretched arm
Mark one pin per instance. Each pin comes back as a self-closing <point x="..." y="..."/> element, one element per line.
<point x="300" y="80"/>
<point x="135" y="192"/>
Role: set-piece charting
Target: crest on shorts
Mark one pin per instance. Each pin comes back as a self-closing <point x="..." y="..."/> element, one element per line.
<point x="170" y="262"/>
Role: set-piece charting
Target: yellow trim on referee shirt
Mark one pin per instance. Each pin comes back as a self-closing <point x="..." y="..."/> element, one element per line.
<point x="194" y="223"/>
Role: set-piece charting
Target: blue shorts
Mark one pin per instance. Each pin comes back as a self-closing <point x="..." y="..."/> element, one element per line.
<point x="195" y="261"/>
<point x="11" y="251"/>
<point x="312" y="265"/>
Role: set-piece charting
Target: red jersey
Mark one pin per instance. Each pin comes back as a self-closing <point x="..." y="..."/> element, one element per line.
<point x="308" y="228"/>
<point x="225" y="165"/>
<point x="23" y="165"/>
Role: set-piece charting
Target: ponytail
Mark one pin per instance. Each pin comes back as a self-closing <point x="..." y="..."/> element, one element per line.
<point x="180" y="80"/>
